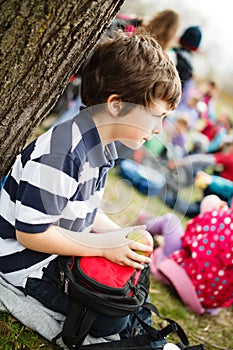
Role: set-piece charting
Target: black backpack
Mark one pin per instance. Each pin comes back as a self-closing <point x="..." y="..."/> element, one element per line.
<point x="91" y="297"/>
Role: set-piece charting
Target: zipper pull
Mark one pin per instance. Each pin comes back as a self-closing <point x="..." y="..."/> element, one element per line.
<point x="62" y="276"/>
<point x="66" y="287"/>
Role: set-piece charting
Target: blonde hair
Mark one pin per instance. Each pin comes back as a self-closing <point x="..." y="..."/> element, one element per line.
<point x="163" y="27"/>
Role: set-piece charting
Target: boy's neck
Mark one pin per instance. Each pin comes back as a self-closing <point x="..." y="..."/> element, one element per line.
<point x="105" y="126"/>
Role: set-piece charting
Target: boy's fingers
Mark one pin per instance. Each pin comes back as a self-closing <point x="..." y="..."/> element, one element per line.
<point x="142" y="251"/>
<point x="140" y="246"/>
<point x="137" y="261"/>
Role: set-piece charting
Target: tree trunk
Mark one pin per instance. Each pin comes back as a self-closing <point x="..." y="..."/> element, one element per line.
<point x="42" y="43"/>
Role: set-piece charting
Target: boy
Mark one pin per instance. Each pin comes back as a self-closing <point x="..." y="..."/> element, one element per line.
<point x="49" y="203"/>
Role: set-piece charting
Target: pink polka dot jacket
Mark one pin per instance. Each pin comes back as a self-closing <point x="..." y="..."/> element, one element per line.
<point x="207" y="257"/>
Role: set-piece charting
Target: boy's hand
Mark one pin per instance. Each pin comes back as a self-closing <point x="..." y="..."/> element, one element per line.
<point x="131" y="253"/>
<point x="126" y="255"/>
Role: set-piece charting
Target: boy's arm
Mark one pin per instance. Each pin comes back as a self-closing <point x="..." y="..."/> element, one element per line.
<point x="103" y="223"/>
<point x="53" y="241"/>
<point x="112" y="245"/>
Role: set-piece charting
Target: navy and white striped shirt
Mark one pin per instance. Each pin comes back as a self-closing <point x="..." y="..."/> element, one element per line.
<point x="58" y="179"/>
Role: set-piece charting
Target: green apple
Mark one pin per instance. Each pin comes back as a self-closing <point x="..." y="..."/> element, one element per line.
<point x="143" y="237"/>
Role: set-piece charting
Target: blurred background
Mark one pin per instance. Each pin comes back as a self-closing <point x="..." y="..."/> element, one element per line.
<point x="215" y="55"/>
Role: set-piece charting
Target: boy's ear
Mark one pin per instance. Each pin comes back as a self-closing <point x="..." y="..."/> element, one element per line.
<point x="114" y="105"/>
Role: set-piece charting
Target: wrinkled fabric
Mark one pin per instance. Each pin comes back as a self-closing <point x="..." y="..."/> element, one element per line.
<point x="37" y="317"/>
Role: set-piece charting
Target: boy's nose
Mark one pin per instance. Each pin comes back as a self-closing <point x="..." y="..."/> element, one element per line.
<point x="158" y="128"/>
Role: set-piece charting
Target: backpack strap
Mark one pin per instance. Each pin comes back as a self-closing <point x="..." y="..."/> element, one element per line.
<point x="139" y="342"/>
<point x="153" y="339"/>
<point x="172" y="327"/>
<point x="78" y="321"/>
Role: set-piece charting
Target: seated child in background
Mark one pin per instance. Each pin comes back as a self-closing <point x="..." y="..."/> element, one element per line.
<point x="176" y="133"/>
<point x="212" y="184"/>
<point x="204" y="251"/>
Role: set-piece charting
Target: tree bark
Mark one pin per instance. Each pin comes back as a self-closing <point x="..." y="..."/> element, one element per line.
<point x="42" y="44"/>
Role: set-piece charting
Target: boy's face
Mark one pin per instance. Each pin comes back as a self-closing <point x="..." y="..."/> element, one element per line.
<point x="141" y="123"/>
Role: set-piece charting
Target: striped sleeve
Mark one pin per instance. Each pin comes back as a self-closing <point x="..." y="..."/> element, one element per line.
<point x="43" y="193"/>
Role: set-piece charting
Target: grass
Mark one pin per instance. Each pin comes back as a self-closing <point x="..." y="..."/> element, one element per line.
<point x="123" y="204"/>
<point x="15" y="336"/>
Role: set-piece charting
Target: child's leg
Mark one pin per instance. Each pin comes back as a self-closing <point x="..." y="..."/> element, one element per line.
<point x="53" y="298"/>
<point x="170" y="227"/>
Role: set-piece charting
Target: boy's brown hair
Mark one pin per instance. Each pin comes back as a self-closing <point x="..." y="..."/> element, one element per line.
<point x="132" y="66"/>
